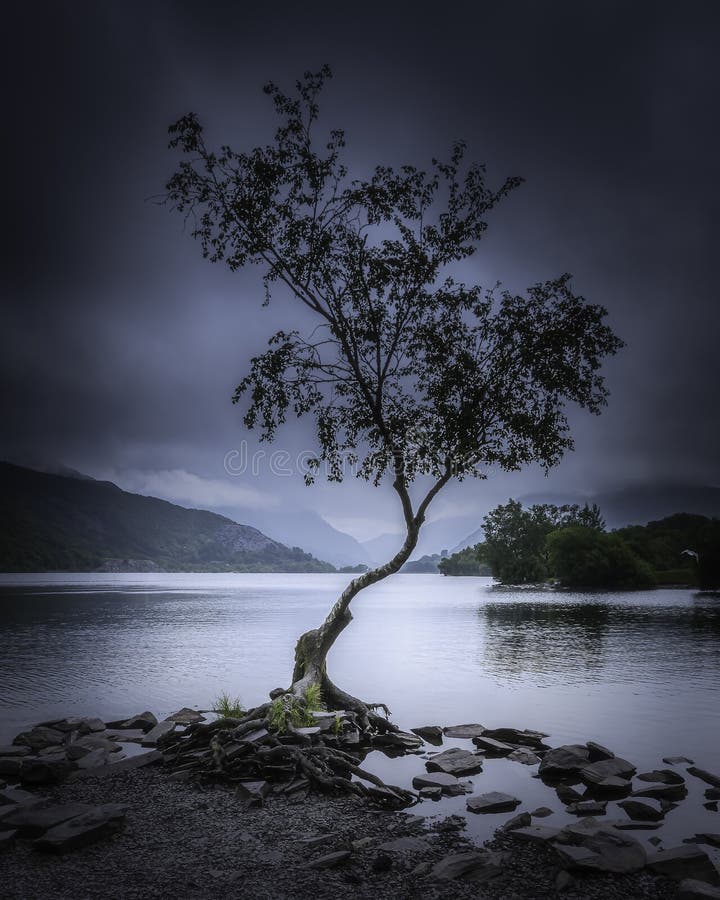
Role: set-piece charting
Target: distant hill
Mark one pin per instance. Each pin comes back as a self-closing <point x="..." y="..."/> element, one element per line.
<point x="51" y="522"/>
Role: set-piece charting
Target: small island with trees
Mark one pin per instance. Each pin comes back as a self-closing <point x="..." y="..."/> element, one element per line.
<point x="569" y="547"/>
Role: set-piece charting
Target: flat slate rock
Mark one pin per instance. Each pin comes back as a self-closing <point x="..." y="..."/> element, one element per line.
<point x="126" y="735"/>
<point x="569" y="758"/>
<point x="521" y="820"/>
<point x="686" y="861"/>
<point x="82" y="830"/>
<point x="605" y="851"/>
<point x="598" y="752"/>
<point x="524" y="756"/>
<point x="456" y="762"/>
<point x="330" y="860"/>
<point x="491" y="745"/>
<point x="40" y="737"/>
<point x="477" y="866"/>
<point x="492" y="802"/>
<point x="156" y="734"/>
<point x="643" y="809"/>
<point x="605" y="768"/>
<point x="408" y="844"/>
<point x="33" y="822"/>
<point x="144" y="721"/>
<point x="433" y="734"/>
<point x="542" y="812"/>
<point x="44" y="770"/>
<point x="677" y="760"/>
<point x="515" y="736"/>
<point x="691" y="889"/>
<point x="185" y="716"/>
<point x="705" y="776"/>
<point x="661" y="776"/>
<point x="7" y="750"/>
<point x="464" y="731"/>
<point x="536" y="834"/>
<point x="132" y="762"/>
<point x="434" y="779"/>
<point x="17" y="796"/>
<point x="587" y="808"/>
<point x="662" y="792"/>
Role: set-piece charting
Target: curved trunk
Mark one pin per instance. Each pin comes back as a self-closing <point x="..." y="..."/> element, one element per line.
<point x="313" y="647"/>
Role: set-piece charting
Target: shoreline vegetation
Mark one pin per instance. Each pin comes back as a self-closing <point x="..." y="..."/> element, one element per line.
<point x="253" y="807"/>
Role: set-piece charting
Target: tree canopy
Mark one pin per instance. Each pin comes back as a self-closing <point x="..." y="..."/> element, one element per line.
<point x="407" y="369"/>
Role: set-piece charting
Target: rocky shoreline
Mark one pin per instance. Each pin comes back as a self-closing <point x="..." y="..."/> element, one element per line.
<point x="80" y="824"/>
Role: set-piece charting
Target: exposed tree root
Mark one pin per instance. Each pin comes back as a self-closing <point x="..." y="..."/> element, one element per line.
<point x="326" y="757"/>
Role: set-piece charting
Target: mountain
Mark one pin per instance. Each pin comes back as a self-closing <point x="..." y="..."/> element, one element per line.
<point x="306" y="528"/>
<point x="51" y="522"/>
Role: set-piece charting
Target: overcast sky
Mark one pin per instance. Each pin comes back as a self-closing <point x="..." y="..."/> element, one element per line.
<point x="121" y="346"/>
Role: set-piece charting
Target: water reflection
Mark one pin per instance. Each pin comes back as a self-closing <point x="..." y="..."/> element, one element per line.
<point x="580" y="637"/>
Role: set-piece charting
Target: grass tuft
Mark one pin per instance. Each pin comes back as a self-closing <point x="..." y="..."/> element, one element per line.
<point x="229" y="707"/>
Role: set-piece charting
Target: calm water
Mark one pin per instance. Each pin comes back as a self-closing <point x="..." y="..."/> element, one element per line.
<point x="639" y="672"/>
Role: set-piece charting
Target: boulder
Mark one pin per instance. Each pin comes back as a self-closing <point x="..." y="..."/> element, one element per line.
<point x="646" y="809"/>
<point x="493" y="746"/>
<point x="521" y="820"/>
<point x="82" y="830"/>
<point x="492" y="802"/>
<point x="40" y="737"/>
<point x="663" y="792"/>
<point x="186" y="716"/>
<point x="330" y="860"/>
<point x="34" y="821"/>
<point x="661" y="776"/>
<point x="526" y="757"/>
<point x="464" y="731"/>
<point x="605" y="768"/>
<point x="691" y="889"/>
<point x="143" y="721"/>
<point x="705" y="776"/>
<point x="477" y="866"/>
<point x="430" y="793"/>
<point x="455" y="790"/>
<point x="569" y="758"/>
<point x="686" y="861"/>
<point x="605" y="851"/>
<point x="712" y="793"/>
<point x="156" y="734"/>
<point x="456" y="762"/>
<point x="598" y="752"/>
<point x="433" y="734"/>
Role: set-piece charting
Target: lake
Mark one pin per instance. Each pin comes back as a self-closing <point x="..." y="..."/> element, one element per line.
<point x="638" y="672"/>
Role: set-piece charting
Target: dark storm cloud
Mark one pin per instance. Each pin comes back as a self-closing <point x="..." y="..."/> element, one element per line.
<point x="121" y="346"/>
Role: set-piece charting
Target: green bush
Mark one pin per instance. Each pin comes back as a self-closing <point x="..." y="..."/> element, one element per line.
<point x="586" y="558"/>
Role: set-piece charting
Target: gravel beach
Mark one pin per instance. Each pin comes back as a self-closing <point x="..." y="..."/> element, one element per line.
<point x="185" y="841"/>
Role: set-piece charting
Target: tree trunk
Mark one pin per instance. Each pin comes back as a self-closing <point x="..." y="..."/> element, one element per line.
<point x="313" y="647"/>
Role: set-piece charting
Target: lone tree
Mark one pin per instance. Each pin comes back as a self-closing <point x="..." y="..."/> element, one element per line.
<point x="406" y="371"/>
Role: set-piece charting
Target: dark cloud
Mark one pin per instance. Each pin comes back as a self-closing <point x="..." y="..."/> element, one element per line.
<point x="120" y="346"/>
